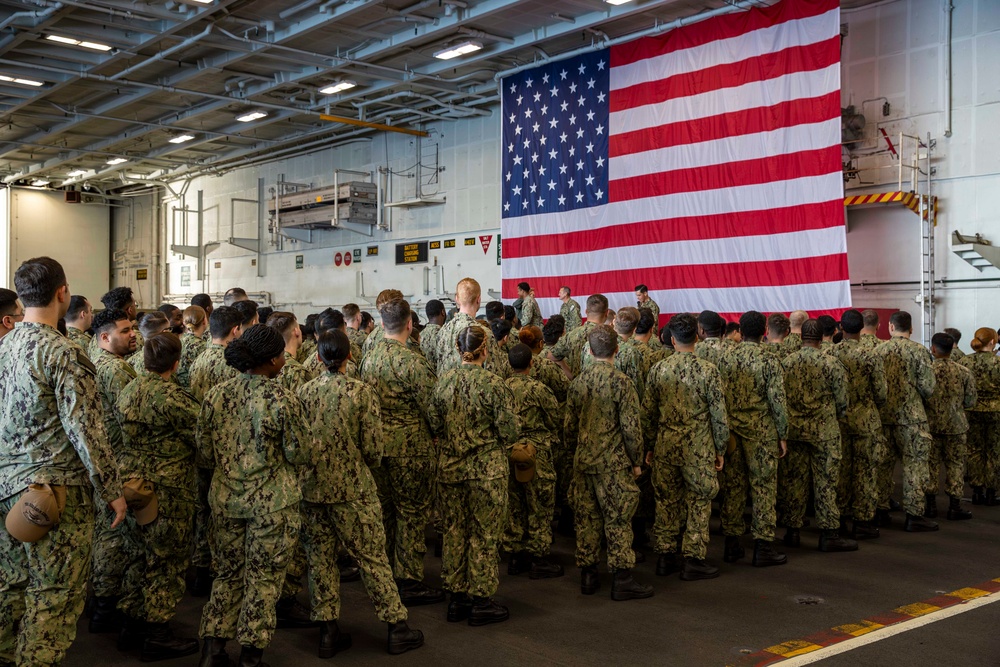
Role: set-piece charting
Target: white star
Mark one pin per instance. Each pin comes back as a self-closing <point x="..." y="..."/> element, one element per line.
<point x="517" y="130"/>
<point x="508" y="176"/>
<point x="553" y="122"/>
<point x="552" y="185"/>
<point x="563" y="106"/>
<point x="541" y="202"/>
<point x="528" y="83"/>
<point x="538" y="96"/>
<point x="524" y="174"/>
<point x="572" y="87"/>
<point x="545" y="109"/>
<point x="600" y="97"/>
<point x="572" y="182"/>
<point x="590" y="180"/>
<point x="562" y="169"/>
<point x="545" y="78"/>
<point x="533" y="187"/>
<point x="572" y="119"/>
<point x="506" y="207"/>
<point x="542" y="140"/>
<point x="590" y="115"/>
<point x="554" y="92"/>
<point x="579" y="133"/>
<point x="510" y="149"/>
<point x="527" y="142"/>
<point x="513" y="117"/>
<point x="572" y="151"/>
<point x="590" y="84"/>
<point x="527" y="112"/>
<point x="562" y="137"/>
<point x="535" y="127"/>
<point x="581" y="101"/>
<point x="600" y="162"/>
<point x="524" y="204"/>
<point x="582" y="68"/>
<point x="552" y="154"/>
<point x="513" y="88"/>
<point x="579" y="197"/>
<point x="534" y="157"/>
<point x="579" y="165"/>
<point x="562" y="75"/>
<point x="600" y="65"/>
<point x="562" y="200"/>
<point x="517" y="159"/>
<point x="517" y="190"/>
<point x="599" y="193"/>
<point x="599" y="129"/>
<point x="520" y="98"/>
<point x="541" y="170"/>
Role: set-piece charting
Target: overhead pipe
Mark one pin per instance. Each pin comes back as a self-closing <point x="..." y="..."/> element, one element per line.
<point x="949" y="9"/>
<point x="479" y="34"/>
<point x="409" y="93"/>
<point x="194" y="39"/>
<point x="121" y="13"/>
<point x="301" y="7"/>
<point x="36" y="15"/>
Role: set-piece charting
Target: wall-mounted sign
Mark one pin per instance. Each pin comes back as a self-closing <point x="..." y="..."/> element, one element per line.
<point x="372" y="250"/>
<point x="299" y="261"/>
<point x="498" y="250"/>
<point x="411" y="253"/>
<point x="435" y="245"/>
<point x="347" y="259"/>
<point x="142" y="274"/>
<point x="450" y="243"/>
<point x="357" y="254"/>
<point x="338" y="259"/>
<point x="218" y="265"/>
<point x="471" y="241"/>
<point x="485" y="242"/>
<point x="185" y="276"/>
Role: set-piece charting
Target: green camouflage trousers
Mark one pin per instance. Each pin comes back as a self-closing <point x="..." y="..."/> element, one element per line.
<point x="912" y="444"/>
<point x="529" y="524"/>
<point x="983" y="444"/>
<point x="475" y="512"/>
<point x="250" y="557"/>
<point x="297" y="566"/>
<point x="159" y="553"/>
<point x="821" y="459"/>
<point x="603" y="506"/>
<point x="406" y="490"/>
<point x="562" y="461"/>
<point x="202" y="556"/>
<point x="43" y="585"/>
<point x="857" y="488"/>
<point x="950" y="450"/>
<point x="753" y="464"/>
<point x="358" y="526"/>
<point x="108" y="571"/>
<point x="683" y="494"/>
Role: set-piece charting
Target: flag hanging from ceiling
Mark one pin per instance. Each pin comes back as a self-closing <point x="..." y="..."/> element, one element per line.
<point x="703" y="163"/>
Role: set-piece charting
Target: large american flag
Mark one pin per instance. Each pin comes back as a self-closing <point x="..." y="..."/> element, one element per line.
<point x="703" y="163"/>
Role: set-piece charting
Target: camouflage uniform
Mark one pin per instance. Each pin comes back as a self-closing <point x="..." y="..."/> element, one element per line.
<point x="473" y="415"/>
<point x="530" y="313"/>
<point x="651" y="306"/>
<point x="552" y="376"/>
<point x="158" y="421"/>
<point x="532" y="504"/>
<point x="446" y="349"/>
<point x="191" y="348"/>
<point x="571" y="313"/>
<point x="860" y="431"/>
<point x="957" y="354"/>
<point x="53" y="433"/>
<point x="870" y="341"/>
<point x="113" y="374"/>
<point x="404" y="384"/>
<point x="984" y="420"/>
<point x="758" y="418"/>
<point x="816" y="390"/>
<point x="792" y="343"/>
<point x="684" y="422"/>
<point x="293" y="374"/>
<point x="254" y="431"/>
<point x="954" y="393"/>
<point x="628" y="360"/>
<point x="81" y="338"/>
<point x="340" y="501"/>
<point x="909" y="381"/>
<point x="306" y="351"/>
<point x="315" y="367"/>
<point x="602" y="428"/>
<point x="428" y="344"/>
<point x="570" y="347"/>
<point x="357" y="339"/>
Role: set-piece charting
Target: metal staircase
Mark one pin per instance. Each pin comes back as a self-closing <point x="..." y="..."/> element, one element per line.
<point x="975" y="250"/>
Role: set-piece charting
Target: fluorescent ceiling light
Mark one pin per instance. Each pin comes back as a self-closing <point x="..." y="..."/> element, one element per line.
<point x="458" y="50"/>
<point x="78" y="172"/>
<point x="617" y="2"/>
<point x="76" y="42"/>
<point x="251" y="116"/>
<point x="182" y="138"/>
<point x="23" y="82"/>
<point x="204" y="2"/>
<point x="116" y="160"/>
<point x="40" y="182"/>
<point x="338" y="87"/>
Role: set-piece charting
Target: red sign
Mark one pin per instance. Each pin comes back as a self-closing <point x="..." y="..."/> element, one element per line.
<point x="485" y="241"/>
<point x="347" y="259"/>
<point x="338" y="259"/>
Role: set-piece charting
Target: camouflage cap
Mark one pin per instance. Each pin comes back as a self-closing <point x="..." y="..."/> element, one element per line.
<point x="35" y="512"/>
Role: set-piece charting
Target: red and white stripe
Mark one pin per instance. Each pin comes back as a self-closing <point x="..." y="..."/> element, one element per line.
<point x="725" y="187"/>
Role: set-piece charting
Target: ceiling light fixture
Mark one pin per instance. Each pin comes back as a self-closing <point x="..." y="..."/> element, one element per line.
<point x="116" y="160"/>
<point x="180" y="139"/>
<point x="458" y="50"/>
<point x="39" y="182"/>
<point x="617" y="2"/>
<point x="251" y="116"/>
<point x="76" y="42"/>
<point x="75" y="174"/>
<point x="338" y="87"/>
<point x="23" y="82"/>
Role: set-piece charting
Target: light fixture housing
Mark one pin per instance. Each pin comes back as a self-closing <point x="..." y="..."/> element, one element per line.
<point x="251" y="116"/>
<point x="78" y="42"/>
<point x="23" y="82"/>
<point x="181" y="138"/>
<point x="40" y="182"/>
<point x="457" y="50"/>
<point x="116" y="160"/>
<point x="76" y="173"/>
<point x="617" y="2"/>
<point x="338" y="87"/>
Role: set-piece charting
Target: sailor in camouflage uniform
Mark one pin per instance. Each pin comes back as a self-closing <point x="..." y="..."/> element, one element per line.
<point x="629" y="359"/>
<point x="151" y="324"/>
<point x="473" y="416"/>
<point x="352" y="319"/>
<point x="531" y="315"/>
<point x="193" y="343"/>
<point x="293" y="375"/>
<point x="984" y="418"/>
<point x="569" y="349"/>
<point x="428" y="337"/>
<point x="793" y="341"/>
<point x="956" y="335"/>
<point x="53" y="433"/>
<point x="602" y="428"/>
<point x="645" y="303"/>
<point x="78" y="320"/>
<point x="778" y="327"/>
<point x="684" y="423"/>
<point x="254" y="431"/>
<point x="869" y="334"/>
<point x="570" y="309"/>
<point x="468" y="296"/>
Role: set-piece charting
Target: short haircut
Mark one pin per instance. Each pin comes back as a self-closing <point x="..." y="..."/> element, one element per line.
<point x="519" y="357"/>
<point x="524" y="287"/>
<point x="434" y="308"/>
<point x="797" y="318"/>
<point x="37" y="281"/>
<point x="258" y="345"/>
<point x="500" y="328"/>
<point x="153" y="323"/>
<point x="642" y="289"/>
<point x="284" y="323"/>
<point x="646" y="321"/>
<point x="568" y="290"/>
<point x="603" y="341"/>
<point x="871" y="317"/>
<point x="194" y="316"/>
<point x="731" y="327"/>
<point x="494" y="311"/>
<point x="202" y="300"/>
<point x="943" y="342"/>
<point x="509" y="313"/>
<point x="385" y="296"/>
<point x="530" y="336"/>
<point x="827" y="325"/>
<point x="395" y="315"/>
<point x="852" y="321"/>
<point x="234" y="295"/>
<point x="553" y="330"/>
<point x="352" y="310"/>
<point x="77" y="304"/>
<point x="8" y="302"/>
<point x="901" y="321"/>
<point x="167" y="309"/>
<point x="664" y="337"/>
<point x="467" y="291"/>
<point x="107" y="318"/>
<point x="955" y="334"/>
<point x="597" y="304"/>
<point x="626" y="320"/>
<point x="333" y="346"/>
<point x="753" y="324"/>
<point x="684" y="328"/>
<point x="778" y="323"/>
<point x="309" y="326"/>
<point x="263" y="313"/>
<point x="119" y="297"/>
<point x="161" y="351"/>
<point x="711" y="323"/>
<point x="247" y="311"/>
<point x="329" y="320"/>
<point x="812" y="330"/>
<point x="223" y="320"/>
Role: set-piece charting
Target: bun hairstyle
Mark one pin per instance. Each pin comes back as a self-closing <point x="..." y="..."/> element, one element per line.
<point x="530" y="336"/>
<point x="334" y="346"/>
<point x="472" y="343"/>
<point x="258" y="345"/>
<point x="983" y="338"/>
<point x="194" y="316"/>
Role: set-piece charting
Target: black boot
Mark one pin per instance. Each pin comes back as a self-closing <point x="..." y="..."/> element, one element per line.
<point x="403" y="639"/>
<point x="883" y="519"/>
<point x="331" y="640"/>
<point x="415" y="593"/>
<point x="955" y="511"/>
<point x="486" y="611"/>
<point x="639" y="557"/>
<point x="830" y="540"/>
<point x="991" y="498"/>
<point x="459" y="608"/>
<point x="667" y="564"/>
<point x="589" y="581"/>
<point x="865" y="530"/>
<point x="251" y="656"/>
<point x="734" y="550"/>
<point x="696" y="568"/>
<point x="918" y="524"/>
<point x="213" y="653"/>
<point x="161" y="644"/>
<point x="132" y="634"/>
<point x="542" y="568"/>
<point x="894" y="505"/>
<point x="202" y="585"/>
<point x="624" y="587"/>
<point x="293" y="614"/>
<point x="930" y="505"/>
<point x="519" y="563"/>
<point x="764" y="554"/>
<point x="978" y="495"/>
<point x="105" y="616"/>
<point x="792" y="537"/>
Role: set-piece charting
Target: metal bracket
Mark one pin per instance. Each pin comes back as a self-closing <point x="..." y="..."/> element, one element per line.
<point x="360" y="227"/>
<point x="253" y="245"/>
<point x="188" y="250"/>
<point x="304" y="235"/>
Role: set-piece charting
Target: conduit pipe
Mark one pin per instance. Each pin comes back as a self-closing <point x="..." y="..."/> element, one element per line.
<point x="163" y="54"/>
<point x="36" y="15"/>
<point x="364" y="104"/>
<point x="949" y="9"/>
